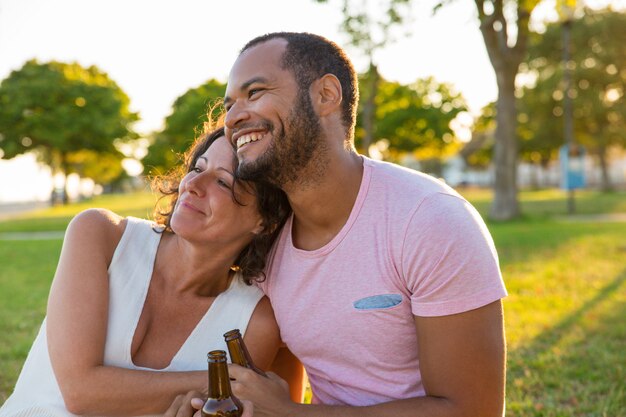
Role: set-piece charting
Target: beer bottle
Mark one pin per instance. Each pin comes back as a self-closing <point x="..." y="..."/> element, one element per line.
<point x="238" y="351"/>
<point x="221" y="401"/>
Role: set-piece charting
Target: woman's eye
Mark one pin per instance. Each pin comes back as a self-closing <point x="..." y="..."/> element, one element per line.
<point x="223" y="183"/>
<point x="196" y="170"/>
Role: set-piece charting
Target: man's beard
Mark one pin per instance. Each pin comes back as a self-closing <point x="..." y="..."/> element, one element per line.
<point x="292" y="149"/>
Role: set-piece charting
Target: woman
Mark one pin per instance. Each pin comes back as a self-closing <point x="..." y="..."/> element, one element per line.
<point x="135" y="305"/>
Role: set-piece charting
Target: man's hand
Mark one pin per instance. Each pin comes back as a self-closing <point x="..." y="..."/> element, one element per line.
<point x="270" y="395"/>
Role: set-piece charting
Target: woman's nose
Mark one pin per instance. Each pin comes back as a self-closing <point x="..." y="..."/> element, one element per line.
<point x="195" y="185"/>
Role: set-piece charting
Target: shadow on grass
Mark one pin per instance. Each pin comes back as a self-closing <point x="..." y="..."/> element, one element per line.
<point x="575" y="368"/>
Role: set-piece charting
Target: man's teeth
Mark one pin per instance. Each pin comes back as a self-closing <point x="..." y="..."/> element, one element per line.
<point x="252" y="137"/>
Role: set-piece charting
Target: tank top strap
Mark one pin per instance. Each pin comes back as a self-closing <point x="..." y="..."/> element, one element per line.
<point x="232" y="309"/>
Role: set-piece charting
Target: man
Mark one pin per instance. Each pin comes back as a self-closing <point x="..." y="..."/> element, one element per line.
<point x="385" y="282"/>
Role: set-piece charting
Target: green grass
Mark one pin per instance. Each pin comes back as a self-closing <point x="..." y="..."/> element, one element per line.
<point x="553" y="202"/>
<point x="139" y="204"/>
<point x="564" y="315"/>
<point x="25" y="277"/>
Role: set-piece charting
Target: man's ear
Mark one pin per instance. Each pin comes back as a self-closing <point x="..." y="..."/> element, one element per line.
<point x="327" y="94"/>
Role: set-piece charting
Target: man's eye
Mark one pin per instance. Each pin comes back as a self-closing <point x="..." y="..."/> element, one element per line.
<point x="253" y="91"/>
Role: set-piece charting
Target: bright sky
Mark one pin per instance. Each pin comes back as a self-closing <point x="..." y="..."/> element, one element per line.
<point x="157" y="49"/>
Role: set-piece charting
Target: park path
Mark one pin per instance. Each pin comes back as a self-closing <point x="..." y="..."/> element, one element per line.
<point x="50" y="235"/>
<point x="8" y="211"/>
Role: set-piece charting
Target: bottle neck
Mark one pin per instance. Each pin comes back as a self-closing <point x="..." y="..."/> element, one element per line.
<point x="238" y="353"/>
<point x="219" y="381"/>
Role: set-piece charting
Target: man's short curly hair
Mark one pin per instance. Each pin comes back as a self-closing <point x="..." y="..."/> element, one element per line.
<point x="309" y="57"/>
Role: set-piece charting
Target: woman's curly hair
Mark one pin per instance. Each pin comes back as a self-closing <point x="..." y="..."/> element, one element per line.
<point x="272" y="205"/>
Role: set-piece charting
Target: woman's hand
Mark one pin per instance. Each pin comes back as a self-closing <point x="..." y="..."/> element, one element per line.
<point x="191" y="405"/>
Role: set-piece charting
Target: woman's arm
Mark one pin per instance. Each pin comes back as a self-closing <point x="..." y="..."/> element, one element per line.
<point x="77" y="319"/>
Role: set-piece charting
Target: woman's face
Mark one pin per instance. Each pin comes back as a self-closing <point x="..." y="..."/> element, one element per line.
<point x="205" y="210"/>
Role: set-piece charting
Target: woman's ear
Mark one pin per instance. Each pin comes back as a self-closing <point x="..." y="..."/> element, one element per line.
<point x="259" y="228"/>
<point x="263" y="229"/>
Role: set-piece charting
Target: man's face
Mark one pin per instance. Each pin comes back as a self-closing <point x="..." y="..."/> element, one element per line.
<point x="271" y="123"/>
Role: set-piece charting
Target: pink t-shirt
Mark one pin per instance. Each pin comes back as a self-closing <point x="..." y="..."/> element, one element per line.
<point x="411" y="246"/>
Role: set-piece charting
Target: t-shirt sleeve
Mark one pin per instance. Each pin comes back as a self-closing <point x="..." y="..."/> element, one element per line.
<point x="449" y="260"/>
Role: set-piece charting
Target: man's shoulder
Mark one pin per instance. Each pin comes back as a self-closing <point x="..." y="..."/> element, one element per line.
<point x="398" y="182"/>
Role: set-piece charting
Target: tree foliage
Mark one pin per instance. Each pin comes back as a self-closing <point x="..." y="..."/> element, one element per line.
<point x="597" y="64"/>
<point x="478" y="152"/>
<point x="189" y="114"/>
<point x="504" y="26"/>
<point x="414" y="118"/>
<point x="369" y="28"/>
<point x="70" y="116"/>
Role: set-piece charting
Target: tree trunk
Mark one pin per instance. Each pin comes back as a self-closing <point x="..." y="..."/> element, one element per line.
<point x="505" y="56"/>
<point x="606" y="184"/>
<point x="369" y="109"/>
<point x="54" y="163"/>
<point x="534" y="174"/>
<point x="505" y="205"/>
<point x="64" y="169"/>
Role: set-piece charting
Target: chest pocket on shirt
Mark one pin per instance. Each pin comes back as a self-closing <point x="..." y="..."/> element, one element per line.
<point x="377" y="302"/>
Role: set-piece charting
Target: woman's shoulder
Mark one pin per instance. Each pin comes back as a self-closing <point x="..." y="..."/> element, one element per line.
<point x="97" y="229"/>
<point x="99" y="220"/>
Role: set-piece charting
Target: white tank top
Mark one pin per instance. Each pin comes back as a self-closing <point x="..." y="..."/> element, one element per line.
<point x="37" y="393"/>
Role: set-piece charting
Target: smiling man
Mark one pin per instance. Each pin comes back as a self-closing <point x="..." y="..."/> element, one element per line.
<point x="385" y="282"/>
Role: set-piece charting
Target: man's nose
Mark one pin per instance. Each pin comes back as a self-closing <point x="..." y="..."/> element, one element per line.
<point x="236" y="113"/>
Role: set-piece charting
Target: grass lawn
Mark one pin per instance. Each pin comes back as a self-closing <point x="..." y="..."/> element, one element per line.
<point x="565" y="312"/>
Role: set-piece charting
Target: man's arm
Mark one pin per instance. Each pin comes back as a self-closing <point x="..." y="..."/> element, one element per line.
<point x="462" y="361"/>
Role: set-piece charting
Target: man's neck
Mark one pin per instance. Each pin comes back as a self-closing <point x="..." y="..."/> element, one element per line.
<point x="321" y="209"/>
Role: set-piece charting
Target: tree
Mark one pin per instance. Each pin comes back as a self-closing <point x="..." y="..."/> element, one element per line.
<point x="189" y="114"/>
<point x="478" y="152"/>
<point x="598" y="59"/>
<point x="369" y="34"/>
<point x="413" y="119"/>
<point x="504" y="26"/>
<point x="60" y="111"/>
<point x="538" y="137"/>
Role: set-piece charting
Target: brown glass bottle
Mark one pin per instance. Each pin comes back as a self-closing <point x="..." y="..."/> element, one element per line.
<point x="221" y="401"/>
<point x="238" y="351"/>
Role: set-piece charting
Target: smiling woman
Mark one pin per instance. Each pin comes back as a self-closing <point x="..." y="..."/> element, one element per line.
<point x="136" y="304"/>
